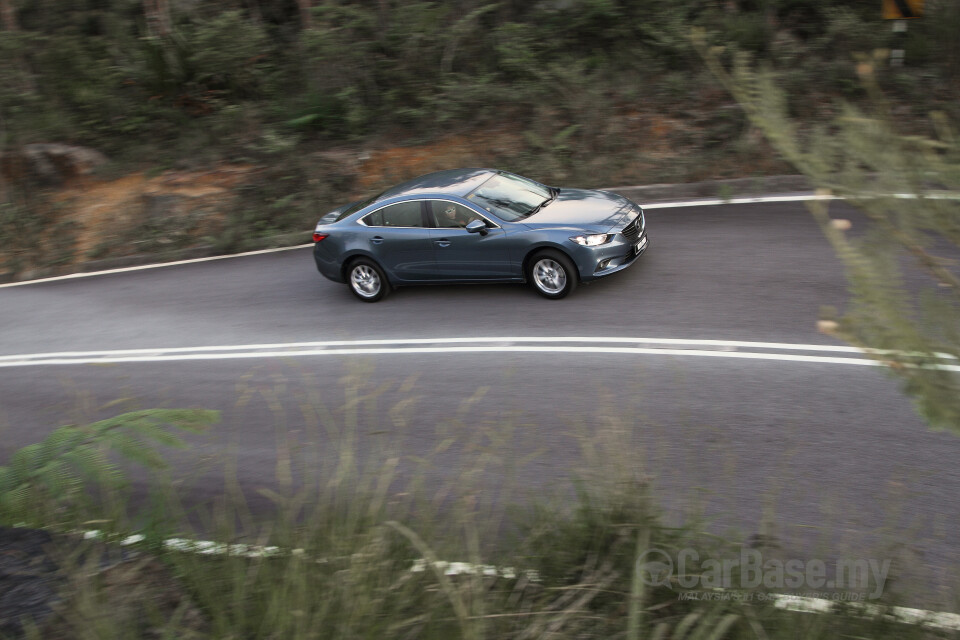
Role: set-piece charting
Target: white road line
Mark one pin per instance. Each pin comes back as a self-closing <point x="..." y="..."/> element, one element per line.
<point x="922" y="617"/>
<point x="718" y="201"/>
<point x="706" y="202"/>
<point x="789" y="602"/>
<point x="907" y="615"/>
<point x="453" y="349"/>
<point x="156" y="265"/>
<point x="667" y="205"/>
<point x="426" y="341"/>
<point x="557" y="344"/>
<point x="712" y="202"/>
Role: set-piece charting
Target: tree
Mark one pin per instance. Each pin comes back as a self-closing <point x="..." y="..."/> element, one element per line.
<point x="306" y="19"/>
<point x="157" y="13"/>
<point x="41" y="479"/>
<point x="8" y="16"/>
<point x="902" y="270"/>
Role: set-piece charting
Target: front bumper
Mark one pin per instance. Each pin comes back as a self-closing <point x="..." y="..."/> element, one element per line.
<point x="607" y="259"/>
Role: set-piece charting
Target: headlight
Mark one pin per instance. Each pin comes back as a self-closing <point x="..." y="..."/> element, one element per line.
<point x="594" y="240"/>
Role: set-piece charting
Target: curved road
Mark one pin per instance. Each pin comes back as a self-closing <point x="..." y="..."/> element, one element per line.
<point x="829" y="457"/>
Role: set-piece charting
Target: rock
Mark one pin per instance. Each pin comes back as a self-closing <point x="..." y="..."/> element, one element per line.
<point x="41" y="575"/>
<point x="49" y="164"/>
<point x="29" y="580"/>
<point x="828" y="327"/>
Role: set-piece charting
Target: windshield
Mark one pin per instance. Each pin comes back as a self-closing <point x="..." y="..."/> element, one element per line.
<point x="510" y="197"/>
<point x="356" y="206"/>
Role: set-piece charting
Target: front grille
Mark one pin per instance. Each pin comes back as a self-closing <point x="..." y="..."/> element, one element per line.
<point x="632" y="230"/>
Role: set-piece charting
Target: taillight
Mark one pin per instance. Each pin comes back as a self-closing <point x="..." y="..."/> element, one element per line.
<point x="317" y="237"/>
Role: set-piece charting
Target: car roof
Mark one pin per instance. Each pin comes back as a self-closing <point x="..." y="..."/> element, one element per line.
<point x="455" y="182"/>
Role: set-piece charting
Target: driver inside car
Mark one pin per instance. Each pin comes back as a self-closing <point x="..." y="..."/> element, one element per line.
<point x="451" y="217"/>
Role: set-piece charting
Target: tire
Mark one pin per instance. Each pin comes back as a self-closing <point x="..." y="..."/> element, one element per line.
<point x="367" y="280"/>
<point x="552" y="275"/>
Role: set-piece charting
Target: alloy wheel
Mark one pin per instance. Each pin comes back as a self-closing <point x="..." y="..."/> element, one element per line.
<point x="550" y="276"/>
<point x="365" y="280"/>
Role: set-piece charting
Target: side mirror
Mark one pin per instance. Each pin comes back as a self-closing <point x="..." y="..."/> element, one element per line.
<point x="477" y="226"/>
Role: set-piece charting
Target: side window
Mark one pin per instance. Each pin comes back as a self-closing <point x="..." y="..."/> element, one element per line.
<point x="449" y="215"/>
<point x="402" y="214"/>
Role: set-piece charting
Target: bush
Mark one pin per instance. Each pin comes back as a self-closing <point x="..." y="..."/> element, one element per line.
<point x="227" y="56"/>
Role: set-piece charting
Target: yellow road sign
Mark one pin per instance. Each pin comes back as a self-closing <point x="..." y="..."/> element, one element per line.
<point x="902" y="9"/>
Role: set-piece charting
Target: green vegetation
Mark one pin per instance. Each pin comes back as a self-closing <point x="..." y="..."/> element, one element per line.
<point x="586" y="92"/>
<point x="215" y="78"/>
<point x="908" y="187"/>
<point x="582" y="91"/>
<point x="45" y="483"/>
<point x="365" y="540"/>
<point x="591" y="91"/>
<point x="354" y="572"/>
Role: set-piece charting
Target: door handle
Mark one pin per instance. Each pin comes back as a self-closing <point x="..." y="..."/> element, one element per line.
<point x="442" y="243"/>
<point x="376" y="239"/>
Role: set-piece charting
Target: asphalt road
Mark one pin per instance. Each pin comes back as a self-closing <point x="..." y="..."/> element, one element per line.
<point x="825" y="456"/>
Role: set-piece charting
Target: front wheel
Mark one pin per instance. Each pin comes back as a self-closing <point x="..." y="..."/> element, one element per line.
<point x="367" y="281"/>
<point x="552" y="274"/>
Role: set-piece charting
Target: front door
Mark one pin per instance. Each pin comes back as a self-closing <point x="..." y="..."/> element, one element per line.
<point x="461" y="255"/>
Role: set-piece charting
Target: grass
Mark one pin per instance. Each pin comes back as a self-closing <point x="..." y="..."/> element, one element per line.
<point x="590" y="591"/>
<point x="354" y="517"/>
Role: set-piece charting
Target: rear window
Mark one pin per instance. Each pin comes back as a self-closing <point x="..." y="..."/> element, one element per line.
<point x="402" y="214"/>
<point x="356" y="206"/>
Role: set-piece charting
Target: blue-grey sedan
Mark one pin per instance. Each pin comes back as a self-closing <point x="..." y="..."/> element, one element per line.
<point x="478" y="225"/>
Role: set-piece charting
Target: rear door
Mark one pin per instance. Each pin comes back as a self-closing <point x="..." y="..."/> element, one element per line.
<point x="461" y="255"/>
<point x="398" y="238"/>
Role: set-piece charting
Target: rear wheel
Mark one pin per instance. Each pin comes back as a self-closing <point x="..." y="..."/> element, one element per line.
<point x="367" y="280"/>
<point x="552" y="274"/>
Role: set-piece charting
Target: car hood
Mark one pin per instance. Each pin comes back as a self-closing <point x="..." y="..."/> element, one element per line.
<point x="582" y="209"/>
